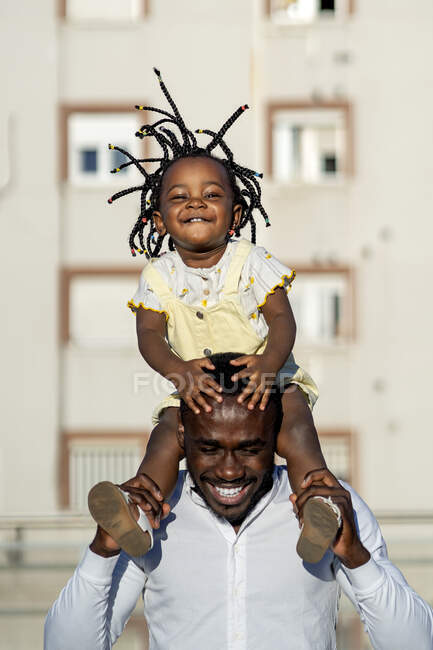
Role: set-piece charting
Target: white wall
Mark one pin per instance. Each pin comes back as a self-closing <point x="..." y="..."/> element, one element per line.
<point x="385" y="210"/>
<point x="214" y="57"/>
<point x="29" y="213"/>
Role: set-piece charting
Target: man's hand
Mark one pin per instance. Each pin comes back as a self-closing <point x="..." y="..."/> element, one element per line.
<point x="261" y="373"/>
<point x="192" y="382"/>
<point x="347" y="545"/>
<point x="145" y="493"/>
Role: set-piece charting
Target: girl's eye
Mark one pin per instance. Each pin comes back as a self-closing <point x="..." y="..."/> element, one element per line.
<point x="178" y="196"/>
<point x="211" y="195"/>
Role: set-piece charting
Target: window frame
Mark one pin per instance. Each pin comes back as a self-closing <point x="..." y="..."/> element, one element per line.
<point x="305" y="105"/>
<point x="349" y="328"/>
<point x="349" y="436"/>
<point x="67" y="438"/>
<point x="64" y="112"/>
<point x="61" y="13"/>
<point x="67" y="275"/>
<point x="267" y="10"/>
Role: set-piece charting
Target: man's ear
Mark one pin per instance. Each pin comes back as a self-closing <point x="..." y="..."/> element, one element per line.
<point x="180" y="433"/>
<point x="159" y="223"/>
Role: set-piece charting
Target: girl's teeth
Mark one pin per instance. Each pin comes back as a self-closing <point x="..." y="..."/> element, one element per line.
<point x="196" y="219"/>
<point x="228" y="492"/>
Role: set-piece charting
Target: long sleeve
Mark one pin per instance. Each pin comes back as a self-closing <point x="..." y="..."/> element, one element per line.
<point x="95" y="605"/>
<point x="393" y="615"/>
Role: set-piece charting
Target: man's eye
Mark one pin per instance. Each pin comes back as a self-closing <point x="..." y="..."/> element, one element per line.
<point x="208" y="450"/>
<point x="251" y="451"/>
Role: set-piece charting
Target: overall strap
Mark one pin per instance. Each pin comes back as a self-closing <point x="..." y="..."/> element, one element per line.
<point x="234" y="271"/>
<point x="157" y="283"/>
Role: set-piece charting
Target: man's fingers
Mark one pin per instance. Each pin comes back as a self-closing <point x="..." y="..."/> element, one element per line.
<point x="143" y="481"/>
<point x="322" y="474"/>
<point x="322" y="491"/>
<point x="142" y="497"/>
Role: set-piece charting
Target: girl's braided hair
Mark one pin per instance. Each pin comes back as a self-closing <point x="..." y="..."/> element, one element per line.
<point x="173" y="149"/>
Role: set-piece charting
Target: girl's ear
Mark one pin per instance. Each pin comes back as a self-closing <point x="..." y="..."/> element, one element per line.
<point x="237" y="214"/>
<point x="159" y="223"/>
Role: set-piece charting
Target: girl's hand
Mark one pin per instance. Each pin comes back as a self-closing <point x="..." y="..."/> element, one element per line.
<point x="191" y="382"/>
<point x="261" y="373"/>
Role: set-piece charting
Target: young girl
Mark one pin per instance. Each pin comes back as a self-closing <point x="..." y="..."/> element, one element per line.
<point x="213" y="294"/>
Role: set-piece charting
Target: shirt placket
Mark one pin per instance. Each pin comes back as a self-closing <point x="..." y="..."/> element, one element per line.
<point x="236" y="596"/>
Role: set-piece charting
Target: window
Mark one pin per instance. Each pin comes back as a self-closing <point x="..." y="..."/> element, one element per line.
<point x="88" y="458"/>
<point x="310" y="143"/>
<point x="337" y="449"/>
<point x="88" y="161"/>
<point x="322" y="305"/>
<point x="298" y="12"/>
<point x="94" y="312"/>
<point x="103" y="10"/>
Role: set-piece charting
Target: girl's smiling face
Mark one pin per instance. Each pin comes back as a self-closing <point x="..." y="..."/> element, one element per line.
<point x="196" y="204"/>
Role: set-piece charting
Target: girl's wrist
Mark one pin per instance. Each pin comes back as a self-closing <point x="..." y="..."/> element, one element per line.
<point x="273" y="360"/>
<point x="175" y="371"/>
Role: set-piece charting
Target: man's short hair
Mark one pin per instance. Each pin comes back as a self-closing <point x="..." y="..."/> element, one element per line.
<point x="223" y="373"/>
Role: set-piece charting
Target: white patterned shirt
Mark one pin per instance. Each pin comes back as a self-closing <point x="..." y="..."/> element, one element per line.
<point x="260" y="275"/>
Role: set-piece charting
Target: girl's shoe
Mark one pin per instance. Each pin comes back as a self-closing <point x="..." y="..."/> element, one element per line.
<point x="109" y="507"/>
<point x="322" y="519"/>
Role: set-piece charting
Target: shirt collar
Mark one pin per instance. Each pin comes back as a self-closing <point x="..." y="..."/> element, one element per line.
<point x="275" y="493"/>
<point x="205" y="272"/>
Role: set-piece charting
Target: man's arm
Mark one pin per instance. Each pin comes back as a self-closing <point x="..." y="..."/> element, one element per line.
<point x="394" y="615"/>
<point x="95" y="605"/>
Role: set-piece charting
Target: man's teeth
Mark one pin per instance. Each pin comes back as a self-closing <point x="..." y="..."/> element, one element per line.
<point x="228" y="492"/>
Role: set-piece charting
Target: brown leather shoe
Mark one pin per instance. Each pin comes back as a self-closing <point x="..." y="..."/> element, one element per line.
<point x="321" y="524"/>
<point x="109" y="507"/>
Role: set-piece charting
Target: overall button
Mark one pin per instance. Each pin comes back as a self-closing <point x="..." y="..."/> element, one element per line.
<point x="207" y="352"/>
<point x="199" y="314"/>
<point x="206" y="292"/>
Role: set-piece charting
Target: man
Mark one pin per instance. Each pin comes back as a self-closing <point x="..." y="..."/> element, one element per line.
<point x="223" y="571"/>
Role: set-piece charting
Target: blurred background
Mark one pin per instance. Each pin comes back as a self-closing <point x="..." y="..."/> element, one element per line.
<point x="341" y="97"/>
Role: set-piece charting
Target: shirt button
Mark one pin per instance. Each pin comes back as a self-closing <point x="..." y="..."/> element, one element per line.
<point x="199" y="314"/>
<point x="207" y="352"/>
<point x="206" y="292"/>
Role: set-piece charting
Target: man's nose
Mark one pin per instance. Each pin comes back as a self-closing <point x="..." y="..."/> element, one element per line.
<point x="229" y="468"/>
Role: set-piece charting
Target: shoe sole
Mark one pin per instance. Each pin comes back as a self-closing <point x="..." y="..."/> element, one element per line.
<point x="319" y="531"/>
<point x="110" y="510"/>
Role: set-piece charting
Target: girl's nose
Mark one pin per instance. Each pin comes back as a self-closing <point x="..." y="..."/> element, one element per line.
<point x="195" y="201"/>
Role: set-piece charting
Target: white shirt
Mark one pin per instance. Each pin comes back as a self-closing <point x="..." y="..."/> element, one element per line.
<point x="204" y="586"/>
<point x="260" y="275"/>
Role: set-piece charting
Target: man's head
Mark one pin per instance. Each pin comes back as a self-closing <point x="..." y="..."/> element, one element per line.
<point x="230" y="451"/>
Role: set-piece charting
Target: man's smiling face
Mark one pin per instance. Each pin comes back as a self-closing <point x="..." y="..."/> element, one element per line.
<point x="230" y="455"/>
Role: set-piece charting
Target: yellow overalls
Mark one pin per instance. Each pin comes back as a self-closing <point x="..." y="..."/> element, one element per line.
<point x="197" y="331"/>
